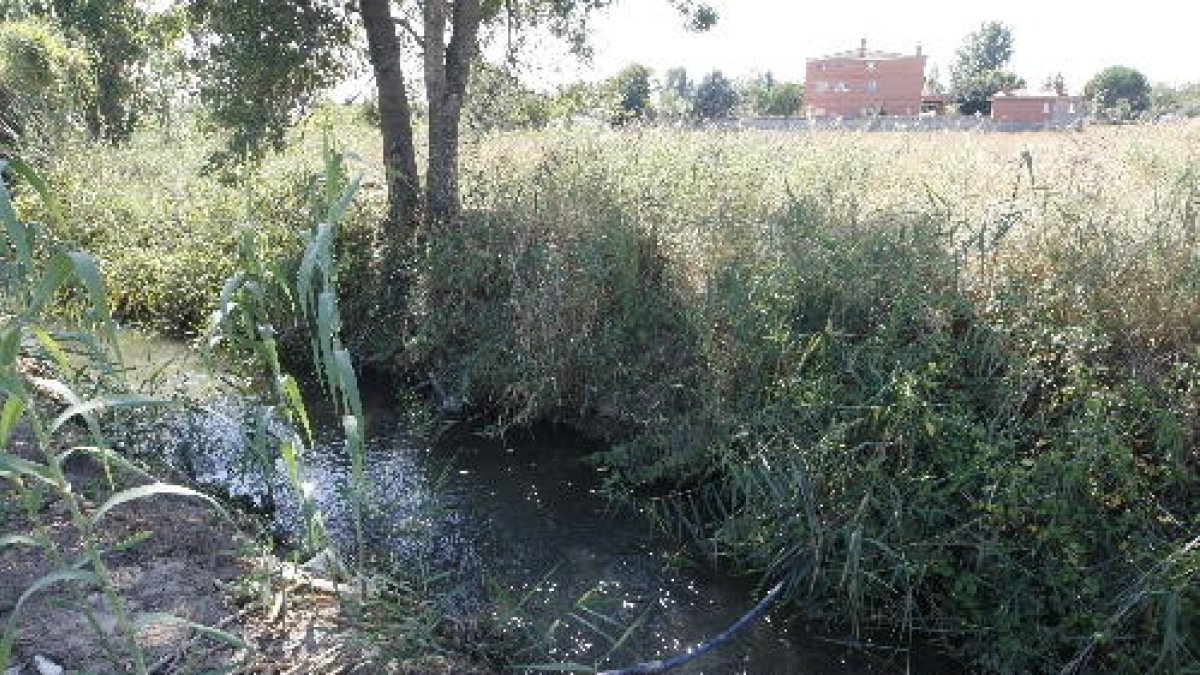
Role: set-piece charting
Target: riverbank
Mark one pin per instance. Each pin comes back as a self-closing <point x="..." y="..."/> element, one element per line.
<point x="180" y="556"/>
<point x="956" y="379"/>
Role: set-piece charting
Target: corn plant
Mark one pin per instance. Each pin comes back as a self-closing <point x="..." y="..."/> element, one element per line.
<point x="46" y="277"/>
<point x="244" y="323"/>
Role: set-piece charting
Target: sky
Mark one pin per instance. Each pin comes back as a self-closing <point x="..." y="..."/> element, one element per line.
<point x="1073" y="37"/>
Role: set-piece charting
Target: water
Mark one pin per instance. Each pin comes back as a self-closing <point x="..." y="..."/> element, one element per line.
<point x="520" y="526"/>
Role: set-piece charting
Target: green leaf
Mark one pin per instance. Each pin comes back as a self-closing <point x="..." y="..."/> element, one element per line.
<point x="208" y="631"/>
<point x="291" y="392"/>
<point x="20" y="168"/>
<point x="10" y="345"/>
<point x="151" y="490"/>
<point x="53" y="348"/>
<point x="348" y="382"/>
<point x="24" y="539"/>
<point x="56" y="273"/>
<point x="85" y="409"/>
<point x="11" y="465"/>
<point x="18" y="233"/>
<point x="88" y="271"/>
<point x="56" y="577"/>
<point x="337" y="210"/>
<point x="10" y="414"/>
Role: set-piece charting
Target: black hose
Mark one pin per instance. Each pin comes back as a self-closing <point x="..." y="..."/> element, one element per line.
<point x="706" y="646"/>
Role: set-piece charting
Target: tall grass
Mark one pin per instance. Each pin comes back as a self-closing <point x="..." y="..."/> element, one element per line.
<point x="955" y="375"/>
<point x="43" y="274"/>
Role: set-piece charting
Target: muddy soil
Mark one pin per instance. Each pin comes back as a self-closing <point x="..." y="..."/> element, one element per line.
<point x="193" y="564"/>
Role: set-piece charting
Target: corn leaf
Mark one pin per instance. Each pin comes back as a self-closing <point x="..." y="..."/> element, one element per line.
<point x="151" y="490"/>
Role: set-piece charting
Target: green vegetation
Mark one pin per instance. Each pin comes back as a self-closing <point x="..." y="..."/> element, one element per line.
<point x="44" y="83"/>
<point x="978" y="72"/>
<point x="1119" y="93"/>
<point x="945" y="387"/>
<point x="948" y="387"/>
<point x="60" y="364"/>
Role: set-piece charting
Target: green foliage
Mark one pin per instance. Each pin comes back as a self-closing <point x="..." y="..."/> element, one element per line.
<point x="114" y="32"/>
<point x="715" y="97"/>
<point x="44" y="83"/>
<point x="631" y="88"/>
<point x="497" y="101"/>
<point x="1119" y="92"/>
<point x="763" y="95"/>
<point x="978" y="71"/>
<point x="943" y="424"/>
<point x="912" y="361"/>
<point x="1183" y="100"/>
<point x="85" y="385"/>
<point x="264" y="64"/>
<point x="675" y="96"/>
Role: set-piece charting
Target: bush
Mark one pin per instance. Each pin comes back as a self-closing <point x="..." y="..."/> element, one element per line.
<point x="44" y="82"/>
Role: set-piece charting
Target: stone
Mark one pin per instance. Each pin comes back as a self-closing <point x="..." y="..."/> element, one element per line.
<point x="47" y="667"/>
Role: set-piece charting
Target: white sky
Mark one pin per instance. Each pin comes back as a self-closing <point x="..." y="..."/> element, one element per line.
<point x="1074" y="37"/>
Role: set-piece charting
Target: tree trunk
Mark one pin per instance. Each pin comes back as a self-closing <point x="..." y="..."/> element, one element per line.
<point x="447" y="72"/>
<point x="395" y="122"/>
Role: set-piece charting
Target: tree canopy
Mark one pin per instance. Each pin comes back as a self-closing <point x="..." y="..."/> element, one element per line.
<point x="1119" y="91"/>
<point x="978" y="72"/>
<point x="263" y="67"/>
<point x="44" y="82"/>
<point x="631" y="88"/>
<point x="715" y="97"/>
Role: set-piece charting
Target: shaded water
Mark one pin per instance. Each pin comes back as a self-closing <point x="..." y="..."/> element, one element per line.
<point x="522" y="527"/>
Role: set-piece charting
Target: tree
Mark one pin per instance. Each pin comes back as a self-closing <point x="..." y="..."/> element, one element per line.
<point x="497" y="100"/>
<point x="1119" y="91"/>
<point x="445" y="33"/>
<point x="257" y="76"/>
<point x="933" y="81"/>
<point x="631" y="88"/>
<point x="764" y="95"/>
<point x="44" y="82"/>
<point x="116" y="36"/>
<point x="675" y="97"/>
<point x="1055" y="83"/>
<point x="715" y="97"/>
<point x="978" y="72"/>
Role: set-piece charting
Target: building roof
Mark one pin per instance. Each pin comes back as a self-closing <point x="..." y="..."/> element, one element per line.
<point x="863" y="53"/>
<point x="1031" y="94"/>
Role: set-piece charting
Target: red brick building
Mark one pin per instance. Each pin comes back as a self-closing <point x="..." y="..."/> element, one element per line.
<point x="1042" y="107"/>
<point x="863" y="82"/>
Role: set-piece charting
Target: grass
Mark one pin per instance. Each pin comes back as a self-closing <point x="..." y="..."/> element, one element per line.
<point x="954" y="375"/>
<point x="60" y="362"/>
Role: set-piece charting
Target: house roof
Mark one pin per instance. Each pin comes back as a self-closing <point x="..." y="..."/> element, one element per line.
<point x="872" y="54"/>
<point x="1030" y="94"/>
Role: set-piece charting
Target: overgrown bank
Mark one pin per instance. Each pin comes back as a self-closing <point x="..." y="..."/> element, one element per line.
<point x="953" y="392"/>
<point x="948" y="384"/>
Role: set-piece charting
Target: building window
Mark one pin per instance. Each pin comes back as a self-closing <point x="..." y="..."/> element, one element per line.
<point x="822" y="85"/>
<point x="871" y="65"/>
<point x="1046" y="108"/>
<point x="872" y="85"/>
<point x="841" y="86"/>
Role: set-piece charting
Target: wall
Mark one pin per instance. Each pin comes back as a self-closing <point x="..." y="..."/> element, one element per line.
<point x="889" y="123"/>
<point x="861" y="86"/>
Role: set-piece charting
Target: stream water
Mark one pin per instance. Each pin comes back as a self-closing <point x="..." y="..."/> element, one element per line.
<point x="518" y="525"/>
